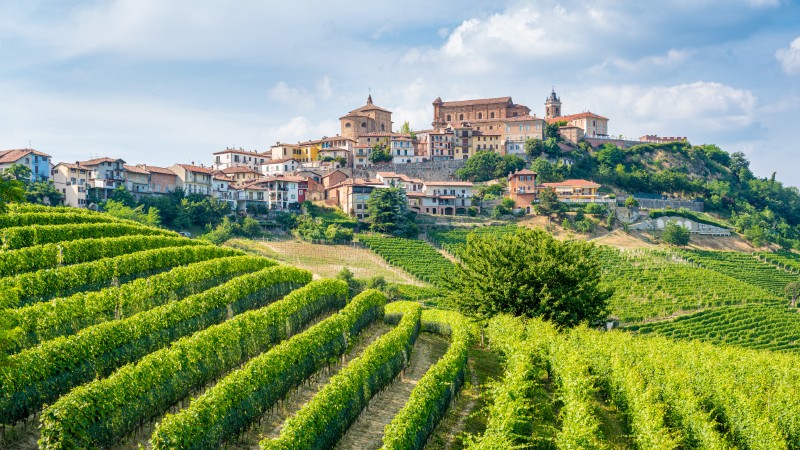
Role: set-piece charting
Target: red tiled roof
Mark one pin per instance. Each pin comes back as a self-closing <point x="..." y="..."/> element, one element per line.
<point x="10" y="156"/>
<point x="570" y="183"/>
<point x="238" y="169"/>
<point x="135" y="169"/>
<point x="191" y="168"/>
<point x="160" y="170"/>
<point x="72" y="166"/>
<point x="222" y="178"/>
<point x="369" y="107"/>
<point x="479" y="101"/>
<point x="583" y="115"/>
<point x="239" y="151"/>
<point x="522" y="172"/>
<point x="524" y="118"/>
<point x="279" y="161"/>
<point x="96" y="161"/>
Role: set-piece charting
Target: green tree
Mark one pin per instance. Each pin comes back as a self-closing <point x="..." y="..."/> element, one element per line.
<point x="406" y="129"/>
<point x="534" y="147"/>
<point x="480" y="167"/>
<point x="11" y="190"/>
<point x="19" y="172"/>
<point x="551" y="130"/>
<point x="388" y="212"/>
<point x="675" y="234"/>
<point x="251" y="228"/>
<point x="529" y="274"/>
<point x="595" y="209"/>
<point x="631" y="202"/>
<point x="120" y="210"/>
<point x="355" y="286"/>
<point x="380" y="154"/>
<point x="504" y="208"/>
<point x="792" y="292"/>
<point x="44" y="193"/>
<point x="548" y="203"/>
<point x="508" y="164"/>
<point x="124" y="196"/>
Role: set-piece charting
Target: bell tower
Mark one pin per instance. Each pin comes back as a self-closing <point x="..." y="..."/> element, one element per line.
<point x="552" y="106"/>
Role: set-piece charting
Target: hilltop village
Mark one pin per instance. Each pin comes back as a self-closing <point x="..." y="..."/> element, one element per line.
<point x="370" y="152"/>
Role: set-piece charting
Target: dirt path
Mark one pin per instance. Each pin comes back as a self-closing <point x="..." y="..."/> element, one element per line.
<point x="367" y="432"/>
<point x="271" y="423"/>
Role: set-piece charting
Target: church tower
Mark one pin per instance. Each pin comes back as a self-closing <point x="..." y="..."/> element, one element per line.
<point x="552" y="106"/>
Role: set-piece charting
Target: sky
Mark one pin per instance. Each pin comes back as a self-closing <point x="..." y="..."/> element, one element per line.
<point x="166" y="81"/>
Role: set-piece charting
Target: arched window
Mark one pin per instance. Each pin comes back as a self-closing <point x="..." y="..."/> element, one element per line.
<point x="382" y="127"/>
<point x="347" y="125"/>
<point x="460" y="117"/>
<point x="491" y="115"/>
<point x="448" y="118"/>
<point x="480" y="115"/>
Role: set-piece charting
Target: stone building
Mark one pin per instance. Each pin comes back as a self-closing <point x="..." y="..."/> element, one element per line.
<point x="487" y="113"/>
<point x="366" y="119"/>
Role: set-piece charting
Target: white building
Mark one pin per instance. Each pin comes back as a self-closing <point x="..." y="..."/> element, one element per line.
<point x="193" y="179"/>
<point x="279" y="166"/>
<point x="231" y="157"/>
<point x="72" y="180"/>
<point x="106" y="175"/>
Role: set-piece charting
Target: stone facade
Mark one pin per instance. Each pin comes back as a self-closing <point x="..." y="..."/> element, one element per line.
<point x="366" y="119"/>
<point x="484" y="111"/>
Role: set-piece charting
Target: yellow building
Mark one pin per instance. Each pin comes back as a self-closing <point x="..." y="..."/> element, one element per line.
<point x="485" y="141"/>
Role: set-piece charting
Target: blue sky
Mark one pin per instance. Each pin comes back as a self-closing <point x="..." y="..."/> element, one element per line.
<point x="161" y="81"/>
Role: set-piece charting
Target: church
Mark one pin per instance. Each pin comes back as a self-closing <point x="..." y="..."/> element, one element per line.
<point x="366" y="119"/>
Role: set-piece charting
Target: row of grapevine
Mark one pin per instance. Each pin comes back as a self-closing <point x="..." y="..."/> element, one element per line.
<point x="240" y="398"/>
<point x="102" y="412"/>
<point x="39" y="322"/>
<point x="412" y="255"/>
<point x="321" y="422"/>
<point x="649" y="284"/>
<point x="785" y="260"/>
<point x="49" y="218"/>
<point x="52" y="255"/>
<point x="20" y="237"/>
<point x="769" y="327"/>
<point x="516" y="404"/>
<point x="430" y="399"/>
<point x="744" y="267"/>
<point x="455" y="239"/>
<point x="32" y="287"/>
<point x="39" y="375"/>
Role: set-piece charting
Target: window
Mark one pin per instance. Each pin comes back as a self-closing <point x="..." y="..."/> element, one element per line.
<point x="363" y="124"/>
<point x="491" y="115"/>
<point x="448" y="118"/>
<point x="347" y="125"/>
<point x="460" y="117"/>
<point x="480" y="115"/>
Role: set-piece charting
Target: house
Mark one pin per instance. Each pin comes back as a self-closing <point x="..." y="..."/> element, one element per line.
<point x="162" y="180"/>
<point x="403" y="150"/>
<point x="351" y="196"/>
<point x="279" y="166"/>
<point x="38" y="162"/>
<point x="442" y="198"/>
<point x="571" y="133"/>
<point x="309" y="174"/>
<point x="522" y="128"/>
<point x="283" y="151"/>
<point x="522" y="188"/>
<point x="106" y="174"/>
<point x="72" y="180"/>
<point x="137" y="180"/>
<point x="408" y="184"/>
<point x="440" y="145"/>
<point x="574" y="191"/>
<point x="485" y="141"/>
<point x="193" y="179"/>
<point x="462" y="140"/>
<point x="222" y="189"/>
<point x="231" y="157"/>
<point x="240" y="173"/>
<point x="280" y="192"/>
<point x="361" y="155"/>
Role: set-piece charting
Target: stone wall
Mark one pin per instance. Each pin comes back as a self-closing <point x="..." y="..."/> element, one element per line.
<point x="426" y="171"/>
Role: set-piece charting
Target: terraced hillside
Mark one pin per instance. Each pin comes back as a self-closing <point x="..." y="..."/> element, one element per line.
<point x="127" y="339"/>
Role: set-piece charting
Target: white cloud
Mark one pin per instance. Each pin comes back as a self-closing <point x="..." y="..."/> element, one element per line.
<point x="671" y="59"/>
<point x="790" y="58"/>
<point x="699" y="108"/>
<point x="300" y="128"/>
<point x="300" y="97"/>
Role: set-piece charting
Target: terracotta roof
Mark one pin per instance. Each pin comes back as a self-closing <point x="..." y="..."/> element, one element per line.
<point x="333" y="172"/>
<point x="522" y="172"/>
<point x="524" y="118"/>
<point x="160" y="170"/>
<point x="575" y="183"/>
<point x="336" y="138"/>
<point x="72" y="166"/>
<point x="222" y="178"/>
<point x="96" y="161"/>
<point x="583" y="115"/>
<point x="191" y="168"/>
<point x="369" y="107"/>
<point x="448" y="183"/>
<point x="239" y="151"/>
<point x="381" y="133"/>
<point x="135" y="169"/>
<point x="238" y="169"/>
<point x="357" y="182"/>
<point x="479" y="101"/>
<point x="279" y="161"/>
<point x="281" y="144"/>
<point x="10" y="156"/>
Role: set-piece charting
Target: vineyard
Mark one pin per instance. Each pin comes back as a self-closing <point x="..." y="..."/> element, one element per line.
<point x="412" y="255"/>
<point x="453" y="240"/>
<point x="113" y="333"/>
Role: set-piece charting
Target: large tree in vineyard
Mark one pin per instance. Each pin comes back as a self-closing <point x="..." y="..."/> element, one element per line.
<point x="529" y="274"/>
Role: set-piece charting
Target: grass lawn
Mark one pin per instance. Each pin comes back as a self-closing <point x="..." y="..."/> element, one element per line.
<point x="325" y="261"/>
